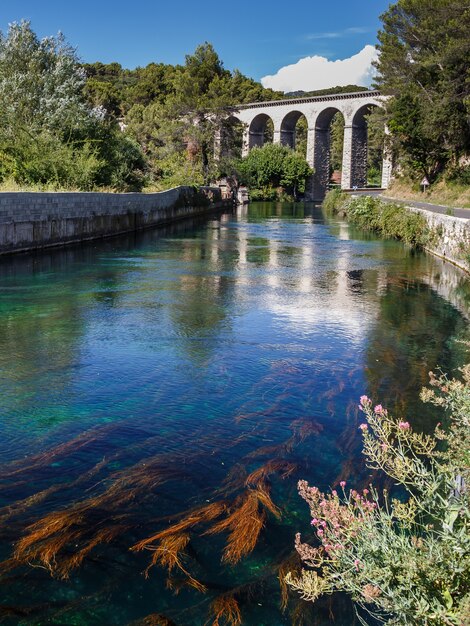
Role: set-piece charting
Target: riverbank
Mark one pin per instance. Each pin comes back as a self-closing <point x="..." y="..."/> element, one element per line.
<point x="447" y="194"/>
<point x="445" y="236"/>
<point x="34" y="220"/>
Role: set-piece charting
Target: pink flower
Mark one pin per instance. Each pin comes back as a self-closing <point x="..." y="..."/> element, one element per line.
<point x="404" y="425"/>
<point x="363" y="427"/>
<point x="342" y="484"/>
<point x="379" y="409"/>
<point x="323" y="503"/>
<point x="384" y="446"/>
<point x="356" y="564"/>
<point x="319" y="532"/>
<point x="364" y="400"/>
<point x="334" y="493"/>
<point x="365" y="491"/>
<point x="314" y="521"/>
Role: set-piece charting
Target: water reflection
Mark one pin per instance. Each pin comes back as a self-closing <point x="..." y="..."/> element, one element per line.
<point x="162" y="393"/>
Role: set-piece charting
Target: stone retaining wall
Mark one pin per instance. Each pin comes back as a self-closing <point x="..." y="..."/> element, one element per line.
<point x="30" y="220"/>
<point x="451" y="237"/>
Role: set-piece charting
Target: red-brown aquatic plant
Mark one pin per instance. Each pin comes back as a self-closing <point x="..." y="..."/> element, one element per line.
<point x="225" y="607"/>
<point x="91" y="522"/>
<point x="169" y="553"/>
<point x="245" y="520"/>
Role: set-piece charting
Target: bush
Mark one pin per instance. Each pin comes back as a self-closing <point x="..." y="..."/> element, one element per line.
<point x="268" y="194"/>
<point x="404" y="561"/>
<point x="45" y="160"/>
<point x="335" y="200"/>
<point x="386" y="218"/>
<point x="272" y="167"/>
<point x="459" y="175"/>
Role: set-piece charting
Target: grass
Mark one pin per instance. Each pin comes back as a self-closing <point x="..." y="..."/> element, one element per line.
<point x="451" y="194"/>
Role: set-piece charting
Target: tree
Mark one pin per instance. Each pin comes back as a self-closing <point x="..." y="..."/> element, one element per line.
<point x="49" y="133"/>
<point x="424" y="53"/>
<point x="176" y="112"/>
<point x="274" y="166"/>
<point x="177" y="127"/>
<point x="41" y="83"/>
<point x="405" y="559"/>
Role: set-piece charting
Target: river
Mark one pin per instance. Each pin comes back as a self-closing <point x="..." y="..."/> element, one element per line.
<point x="163" y="381"/>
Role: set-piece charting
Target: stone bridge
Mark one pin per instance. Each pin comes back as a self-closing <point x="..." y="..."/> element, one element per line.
<point x="318" y="111"/>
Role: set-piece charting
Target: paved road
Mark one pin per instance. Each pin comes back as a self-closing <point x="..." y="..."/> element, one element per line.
<point x="435" y="208"/>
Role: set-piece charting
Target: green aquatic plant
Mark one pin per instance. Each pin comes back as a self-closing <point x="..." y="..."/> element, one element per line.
<point x="405" y="559"/>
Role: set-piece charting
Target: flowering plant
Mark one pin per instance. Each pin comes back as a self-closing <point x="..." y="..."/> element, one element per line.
<point x="404" y="561"/>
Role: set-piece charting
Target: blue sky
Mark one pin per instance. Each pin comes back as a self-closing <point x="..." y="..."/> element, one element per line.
<point x="258" y="36"/>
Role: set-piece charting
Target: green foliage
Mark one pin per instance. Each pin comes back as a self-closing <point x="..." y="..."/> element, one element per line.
<point x="459" y="175"/>
<point x="301" y="131"/>
<point x="174" y="112"/>
<point x="49" y="134"/>
<point x="47" y="161"/>
<point x="405" y="561"/>
<point x="376" y="141"/>
<point x="322" y="92"/>
<point x="336" y="142"/>
<point x="103" y="95"/>
<point x="335" y="200"/>
<point x="424" y="51"/>
<point x="266" y="194"/>
<point x="271" y="167"/>
<point x="386" y="218"/>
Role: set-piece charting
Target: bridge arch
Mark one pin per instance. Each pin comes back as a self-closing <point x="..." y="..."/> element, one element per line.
<point x="258" y="130"/>
<point x="355" y="156"/>
<point x="322" y="148"/>
<point x="288" y="128"/>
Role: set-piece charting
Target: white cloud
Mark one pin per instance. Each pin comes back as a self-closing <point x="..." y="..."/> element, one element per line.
<point x="353" y="30"/>
<point x="318" y="72"/>
<point x="323" y="36"/>
<point x="357" y="30"/>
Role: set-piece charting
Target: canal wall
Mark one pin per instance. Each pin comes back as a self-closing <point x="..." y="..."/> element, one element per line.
<point x="34" y="220"/>
<point x="449" y="237"/>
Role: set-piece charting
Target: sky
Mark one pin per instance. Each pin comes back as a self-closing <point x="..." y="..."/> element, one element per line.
<point x="306" y="44"/>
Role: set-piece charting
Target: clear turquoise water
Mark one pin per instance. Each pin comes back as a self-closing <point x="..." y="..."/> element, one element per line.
<point x="191" y="357"/>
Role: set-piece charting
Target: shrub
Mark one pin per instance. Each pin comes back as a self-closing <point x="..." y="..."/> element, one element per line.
<point x="275" y="166"/>
<point x="405" y="561"/>
<point x="335" y="200"/>
<point x="386" y="218"/>
<point x="267" y="194"/>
